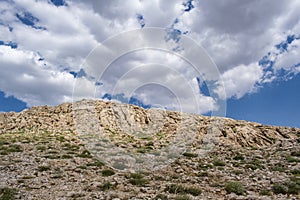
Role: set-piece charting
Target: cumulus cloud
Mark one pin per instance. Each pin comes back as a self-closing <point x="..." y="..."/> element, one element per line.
<point x="289" y="58"/>
<point x="24" y="77"/>
<point x="240" y="37"/>
<point x="239" y="80"/>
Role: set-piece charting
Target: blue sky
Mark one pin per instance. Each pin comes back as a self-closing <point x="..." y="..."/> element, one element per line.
<point x="254" y="44"/>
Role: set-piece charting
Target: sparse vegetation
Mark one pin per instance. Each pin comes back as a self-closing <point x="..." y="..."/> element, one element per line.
<point x="279" y="188"/>
<point x="190" y="155"/>
<point x="39" y="162"/>
<point x="106" y="186"/>
<point x="97" y="163"/>
<point x="278" y="167"/>
<point x="292" y="159"/>
<point x="265" y="192"/>
<point x="7" y="193"/>
<point x="43" y="168"/>
<point x="254" y="164"/>
<point x="218" y="162"/>
<point x="238" y="157"/>
<point x="107" y="172"/>
<point x="137" y="179"/>
<point x="234" y="187"/>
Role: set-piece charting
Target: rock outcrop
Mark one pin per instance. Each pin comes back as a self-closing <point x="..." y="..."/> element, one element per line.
<point x="129" y="119"/>
<point x="53" y="153"/>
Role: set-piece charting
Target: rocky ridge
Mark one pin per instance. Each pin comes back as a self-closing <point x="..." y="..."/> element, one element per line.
<point x="124" y="118"/>
<point x="43" y="155"/>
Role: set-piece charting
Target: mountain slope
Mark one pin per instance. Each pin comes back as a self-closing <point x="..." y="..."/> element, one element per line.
<point x="67" y="152"/>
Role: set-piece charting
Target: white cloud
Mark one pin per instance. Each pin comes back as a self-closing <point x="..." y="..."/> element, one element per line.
<point x="22" y="77"/>
<point x="289" y="58"/>
<point x="239" y="80"/>
<point x="236" y="34"/>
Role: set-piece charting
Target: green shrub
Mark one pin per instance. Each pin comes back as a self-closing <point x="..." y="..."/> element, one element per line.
<point x="291" y="159"/>
<point x="254" y="164"/>
<point x="14" y="148"/>
<point x="279" y="188"/>
<point x="179" y="189"/>
<point x="238" y="157"/>
<point x="66" y="156"/>
<point x="7" y="193"/>
<point x="108" y="172"/>
<point x="295" y="153"/>
<point x="43" y="168"/>
<point x="81" y="167"/>
<point x="138" y="182"/>
<point x="296" y="172"/>
<point x="190" y="155"/>
<point x="106" y="186"/>
<point x="218" y="162"/>
<point x="193" y="191"/>
<point x="137" y="179"/>
<point x="40" y="148"/>
<point x="265" y="192"/>
<point x="96" y="163"/>
<point x="203" y="174"/>
<point x="278" y="167"/>
<point x="293" y="187"/>
<point x="234" y="187"/>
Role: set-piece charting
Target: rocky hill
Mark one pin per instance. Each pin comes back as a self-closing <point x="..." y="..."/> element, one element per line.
<point x="106" y="150"/>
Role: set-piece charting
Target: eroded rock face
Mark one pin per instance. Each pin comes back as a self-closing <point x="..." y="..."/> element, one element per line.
<point x="94" y="116"/>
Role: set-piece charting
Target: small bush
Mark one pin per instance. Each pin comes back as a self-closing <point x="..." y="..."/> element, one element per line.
<point x="279" y="188"/>
<point x="203" y="174"/>
<point x="265" y="192"/>
<point x="3" y="142"/>
<point x="295" y="153"/>
<point x="14" y="148"/>
<point x="174" y="189"/>
<point x="234" y="187"/>
<point x="190" y="155"/>
<point x="108" y="172"/>
<point x="137" y="179"/>
<point x="293" y="188"/>
<point x="106" y="186"/>
<point x="7" y="194"/>
<point x="96" y="164"/>
<point x="43" y="168"/>
<point x="41" y="148"/>
<point x="238" y="157"/>
<point x="203" y="166"/>
<point x="138" y="182"/>
<point x="296" y="171"/>
<point x="278" y="167"/>
<point x="81" y="167"/>
<point x="66" y="156"/>
<point x="254" y="164"/>
<point x="218" y="162"/>
<point x="193" y="191"/>
<point x="292" y="159"/>
<point x="57" y="173"/>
